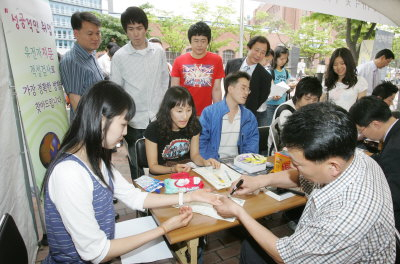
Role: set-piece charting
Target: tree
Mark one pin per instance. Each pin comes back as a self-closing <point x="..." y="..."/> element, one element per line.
<point x="264" y="24"/>
<point x="174" y="31"/>
<point x="111" y="30"/>
<point x="219" y="19"/>
<point x="314" y="39"/>
<point x="352" y="30"/>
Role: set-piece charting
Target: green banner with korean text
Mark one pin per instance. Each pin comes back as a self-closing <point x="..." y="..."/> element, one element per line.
<point x="29" y="34"/>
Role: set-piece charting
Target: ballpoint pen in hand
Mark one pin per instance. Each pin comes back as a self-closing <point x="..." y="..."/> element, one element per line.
<point x="237" y="186"/>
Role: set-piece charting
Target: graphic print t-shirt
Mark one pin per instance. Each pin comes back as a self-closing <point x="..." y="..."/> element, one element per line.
<point x="198" y="76"/>
<point x="176" y="148"/>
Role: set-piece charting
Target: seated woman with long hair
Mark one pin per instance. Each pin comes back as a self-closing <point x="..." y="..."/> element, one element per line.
<point x="81" y="182"/>
<point x="173" y="139"/>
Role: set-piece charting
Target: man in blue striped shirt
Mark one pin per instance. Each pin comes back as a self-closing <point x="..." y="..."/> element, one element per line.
<point x="79" y="68"/>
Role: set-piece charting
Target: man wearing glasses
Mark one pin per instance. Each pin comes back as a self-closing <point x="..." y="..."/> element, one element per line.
<point x="374" y="120"/>
<point x="228" y="127"/>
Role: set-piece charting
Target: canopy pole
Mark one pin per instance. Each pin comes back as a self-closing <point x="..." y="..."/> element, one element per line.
<point x="241" y="28"/>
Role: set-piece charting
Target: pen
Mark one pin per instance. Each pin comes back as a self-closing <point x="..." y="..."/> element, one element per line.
<point x="237" y="186"/>
<point x="227" y="174"/>
<point x="219" y="178"/>
<point x="292" y="191"/>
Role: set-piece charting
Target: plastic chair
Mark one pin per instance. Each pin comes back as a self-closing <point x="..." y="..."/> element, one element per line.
<point x="12" y="246"/>
<point x="263" y="143"/>
<point x="141" y="158"/>
<point x="141" y="163"/>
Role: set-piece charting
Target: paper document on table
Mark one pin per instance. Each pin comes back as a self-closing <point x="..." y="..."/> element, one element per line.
<point x="152" y="251"/>
<point x="219" y="178"/>
<point x="208" y="209"/>
<point x="278" y="89"/>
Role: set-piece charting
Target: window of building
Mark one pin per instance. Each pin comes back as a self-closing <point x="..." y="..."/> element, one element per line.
<point x="171" y="56"/>
<point x="227" y="55"/>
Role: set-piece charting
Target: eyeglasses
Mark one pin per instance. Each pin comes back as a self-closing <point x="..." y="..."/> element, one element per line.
<point x="362" y="130"/>
<point x="245" y="90"/>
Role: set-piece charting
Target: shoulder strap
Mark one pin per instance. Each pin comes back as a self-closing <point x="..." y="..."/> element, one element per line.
<point x="282" y="108"/>
<point x="273" y="74"/>
<point x="287" y="74"/>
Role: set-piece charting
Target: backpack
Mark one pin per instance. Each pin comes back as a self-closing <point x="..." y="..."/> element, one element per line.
<point x="275" y="131"/>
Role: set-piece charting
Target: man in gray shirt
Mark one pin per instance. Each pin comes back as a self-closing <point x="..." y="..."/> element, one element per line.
<point x="141" y="68"/>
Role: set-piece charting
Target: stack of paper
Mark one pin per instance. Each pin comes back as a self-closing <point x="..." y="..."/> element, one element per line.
<point x="208" y="209"/>
<point x="279" y="89"/>
<point x="219" y="178"/>
<point x="251" y="162"/>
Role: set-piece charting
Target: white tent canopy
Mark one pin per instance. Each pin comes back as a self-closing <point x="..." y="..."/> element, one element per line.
<point x="382" y="12"/>
<point x="388" y="8"/>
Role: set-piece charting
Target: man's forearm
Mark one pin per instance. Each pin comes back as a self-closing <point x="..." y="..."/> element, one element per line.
<point x="284" y="179"/>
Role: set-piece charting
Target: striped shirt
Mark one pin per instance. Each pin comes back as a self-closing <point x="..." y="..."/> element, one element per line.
<point x="144" y="75"/>
<point x="61" y="243"/>
<point x="349" y="220"/>
<point x="229" y="136"/>
<point x="79" y="71"/>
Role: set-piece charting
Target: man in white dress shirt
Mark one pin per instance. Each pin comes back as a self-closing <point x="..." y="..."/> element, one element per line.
<point x="139" y="67"/>
<point x="370" y="69"/>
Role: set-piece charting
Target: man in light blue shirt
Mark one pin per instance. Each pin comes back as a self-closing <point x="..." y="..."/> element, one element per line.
<point x="79" y="68"/>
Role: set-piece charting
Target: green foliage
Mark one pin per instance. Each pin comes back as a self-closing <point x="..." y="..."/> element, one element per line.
<point x="266" y="24"/>
<point x="352" y="30"/>
<point x="219" y="22"/>
<point x="315" y="39"/>
<point x="174" y="31"/>
<point x="395" y="46"/>
<point x="111" y="30"/>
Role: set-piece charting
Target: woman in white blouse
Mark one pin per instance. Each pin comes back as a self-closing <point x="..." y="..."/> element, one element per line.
<point x="342" y="85"/>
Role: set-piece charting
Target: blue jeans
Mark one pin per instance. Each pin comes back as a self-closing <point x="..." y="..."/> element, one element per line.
<point x="270" y="113"/>
<point x="262" y="118"/>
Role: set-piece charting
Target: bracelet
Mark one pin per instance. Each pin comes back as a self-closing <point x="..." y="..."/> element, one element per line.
<point x="180" y="199"/>
<point x="163" y="228"/>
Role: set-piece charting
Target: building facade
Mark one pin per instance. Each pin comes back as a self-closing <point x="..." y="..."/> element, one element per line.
<point x="62" y="11"/>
